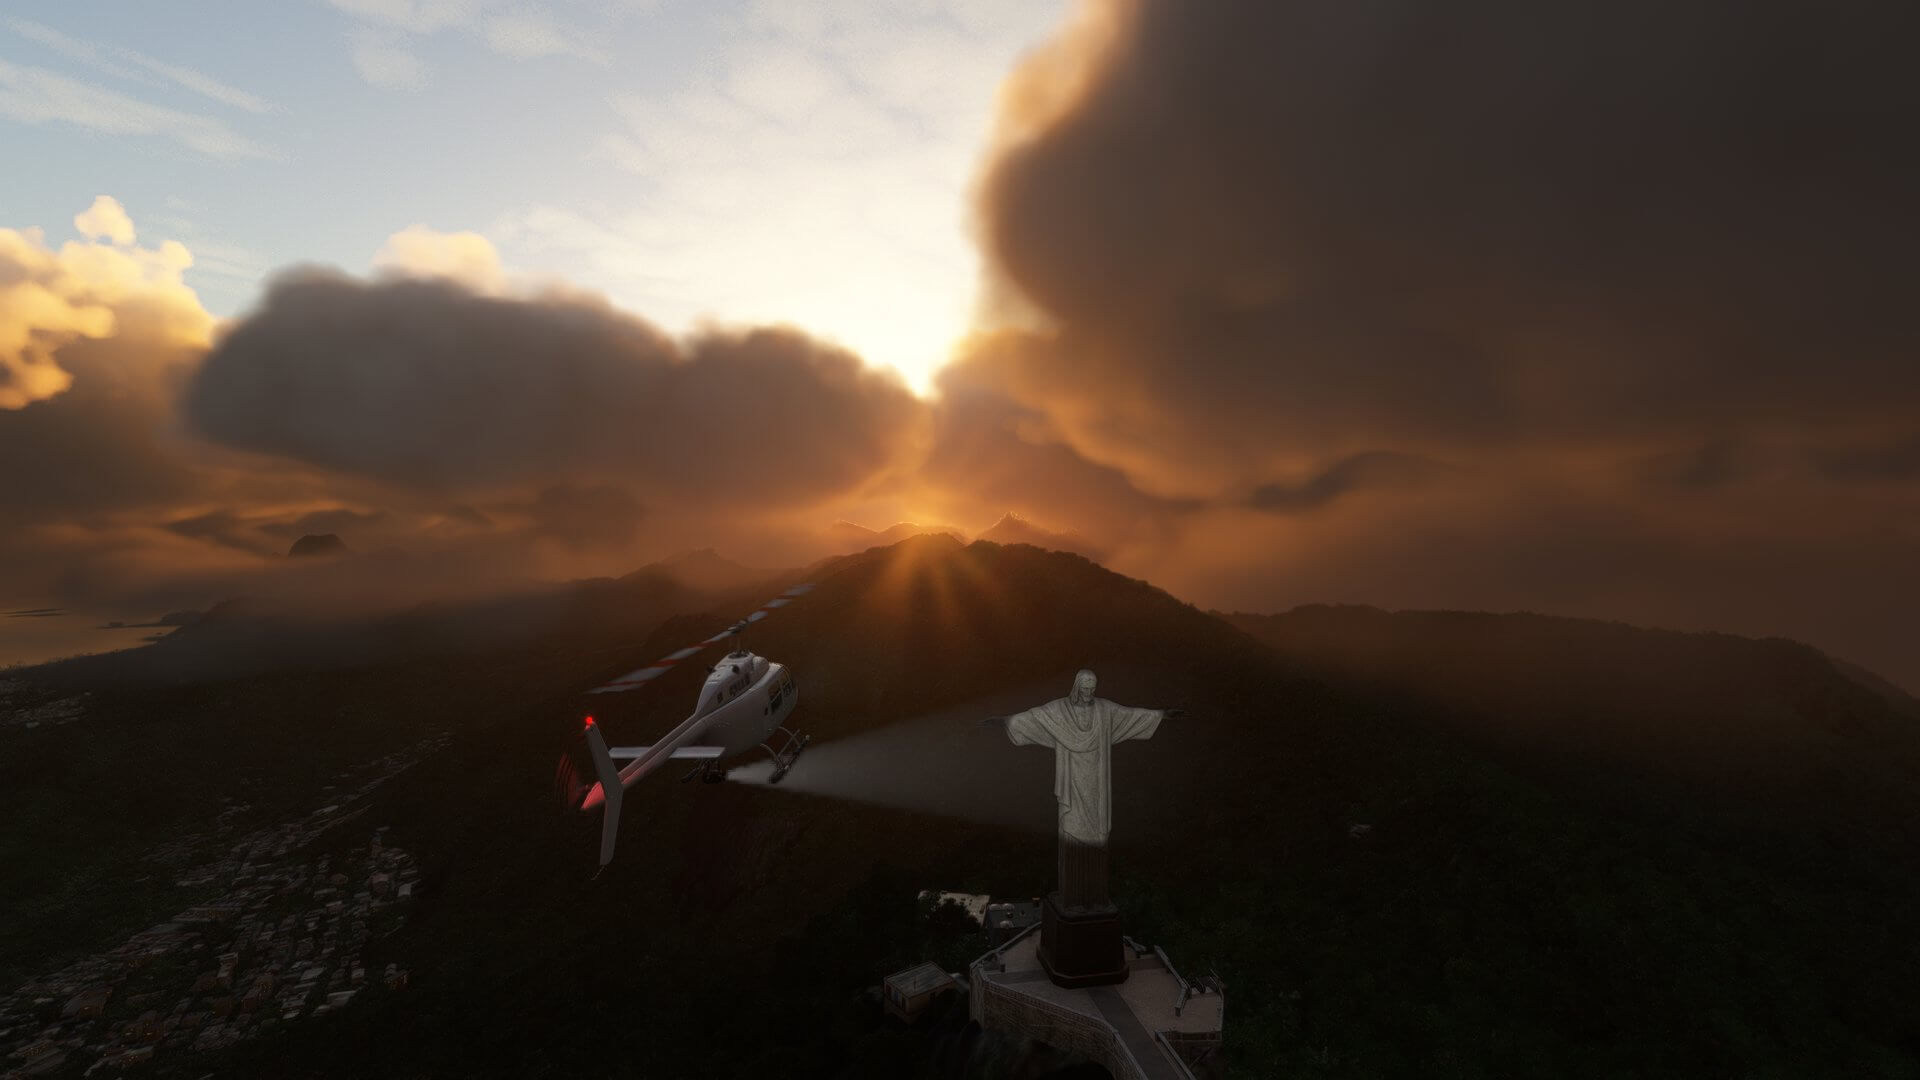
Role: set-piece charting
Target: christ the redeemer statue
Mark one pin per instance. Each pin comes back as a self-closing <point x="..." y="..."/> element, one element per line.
<point x="1081" y="729"/>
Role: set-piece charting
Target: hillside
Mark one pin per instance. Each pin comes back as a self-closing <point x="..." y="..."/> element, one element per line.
<point x="1768" y="721"/>
<point x="1490" y="921"/>
<point x="705" y="570"/>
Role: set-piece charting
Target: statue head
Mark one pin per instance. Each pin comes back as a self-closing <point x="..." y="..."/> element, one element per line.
<point x="1083" y="684"/>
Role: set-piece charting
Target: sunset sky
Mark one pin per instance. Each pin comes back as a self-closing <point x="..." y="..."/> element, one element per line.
<point x="686" y="159"/>
<point x="1592" y="309"/>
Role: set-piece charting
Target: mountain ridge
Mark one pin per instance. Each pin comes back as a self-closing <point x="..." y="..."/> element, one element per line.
<point x="1727" y="712"/>
<point x="1486" y="914"/>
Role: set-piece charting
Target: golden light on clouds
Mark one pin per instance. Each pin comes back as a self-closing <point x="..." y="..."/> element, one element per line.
<point x="87" y="289"/>
<point x="465" y="257"/>
<point x="1053" y="78"/>
<point x="105" y="220"/>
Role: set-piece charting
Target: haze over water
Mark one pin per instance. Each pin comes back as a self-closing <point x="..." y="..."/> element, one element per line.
<point x="35" y="639"/>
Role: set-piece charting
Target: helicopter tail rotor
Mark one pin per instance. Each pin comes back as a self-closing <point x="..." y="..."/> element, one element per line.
<point x="593" y="784"/>
<point x="610" y="789"/>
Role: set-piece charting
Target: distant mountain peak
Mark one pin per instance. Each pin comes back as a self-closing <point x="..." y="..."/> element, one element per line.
<point x="318" y="544"/>
<point x="850" y="536"/>
<point x="1012" y="528"/>
<point x="691" y="555"/>
<point x="702" y="568"/>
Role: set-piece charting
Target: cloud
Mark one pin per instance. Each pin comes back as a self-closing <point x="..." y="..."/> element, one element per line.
<point x="1483" y="305"/>
<point x="465" y="442"/>
<point x="383" y="38"/>
<point x="89" y="466"/>
<point x="105" y="220"/>
<point x="604" y="515"/>
<point x="1636" y="278"/>
<point x="338" y="520"/>
<point x="464" y="257"/>
<point x="34" y="95"/>
<point x="874" y="112"/>
<point x="203" y="84"/>
<point x="223" y="527"/>
<point x="414" y="16"/>
<point x="1880" y="460"/>
<point x="107" y="501"/>
<point x="386" y="62"/>
<point x="1711" y="465"/>
<point x="526" y="36"/>
<point x="1373" y="469"/>
<point x="990" y="454"/>
<point x="1495" y="225"/>
<point x="427" y="384"/>
<point x="52" y="298"/>
<point x="103" y="58"/>
<point x="70" y="47"/>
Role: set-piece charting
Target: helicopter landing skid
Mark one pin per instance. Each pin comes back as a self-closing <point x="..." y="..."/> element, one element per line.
<point x="709" y="772"/>
<point x="788" y="753"/>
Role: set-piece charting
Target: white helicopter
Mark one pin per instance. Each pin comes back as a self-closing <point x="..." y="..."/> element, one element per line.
<point x="743" y="705"/>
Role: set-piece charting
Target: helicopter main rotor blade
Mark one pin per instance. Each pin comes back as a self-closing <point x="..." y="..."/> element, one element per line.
<point x="633" y="680"/>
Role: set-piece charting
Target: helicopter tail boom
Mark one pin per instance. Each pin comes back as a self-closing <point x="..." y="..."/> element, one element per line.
<point x="630" y="752"/>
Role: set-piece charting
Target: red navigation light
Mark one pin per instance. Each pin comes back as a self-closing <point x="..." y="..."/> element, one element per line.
<point x="588" y="724"/>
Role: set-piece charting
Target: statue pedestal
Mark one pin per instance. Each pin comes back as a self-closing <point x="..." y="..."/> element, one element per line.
<point x="1081" y="946"/>
<point x="1154" y="1026"/>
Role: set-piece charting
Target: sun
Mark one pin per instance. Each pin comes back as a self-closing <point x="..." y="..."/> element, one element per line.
<point x="892" y="325"/>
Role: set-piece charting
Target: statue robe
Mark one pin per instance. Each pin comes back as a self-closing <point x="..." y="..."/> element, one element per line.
<point x="1082" y="738"/>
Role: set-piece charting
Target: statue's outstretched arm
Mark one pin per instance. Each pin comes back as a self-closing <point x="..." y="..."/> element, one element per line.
<point x="1004" y="721"/>
<point x="1022" y="728"/>
<point x="1132" y="723"/>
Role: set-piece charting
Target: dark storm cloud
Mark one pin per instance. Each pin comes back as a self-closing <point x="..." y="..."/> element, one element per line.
<point x="429" y="385"/>
<point x="1483" y="223"/>
<point x="1376" y="469"/>
<point x="1638" y="273"/>
<point x="980" y="452"/>
<point x="1898" y="460"/>
<point x="100" y="445"/>
<point x="1712" y="464"/>
<point x="586" y="517"/>
<point x="463" y="443"/>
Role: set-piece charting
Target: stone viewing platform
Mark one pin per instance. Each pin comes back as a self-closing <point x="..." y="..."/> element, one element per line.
<point x="1155" y="1025"/>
